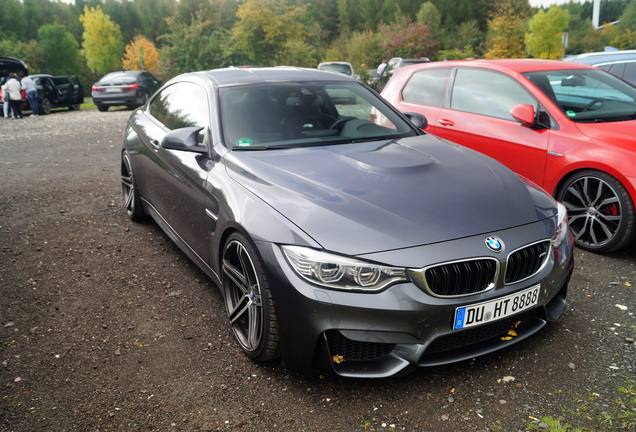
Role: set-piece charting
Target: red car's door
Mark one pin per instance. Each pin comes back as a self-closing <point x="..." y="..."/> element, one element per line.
<point x="479" y="117"/>
<point x="424" y="92"/>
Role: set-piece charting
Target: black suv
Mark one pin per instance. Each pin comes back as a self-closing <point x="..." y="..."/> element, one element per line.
<point x="58" y="92"/>
<point x="129" y="88"/>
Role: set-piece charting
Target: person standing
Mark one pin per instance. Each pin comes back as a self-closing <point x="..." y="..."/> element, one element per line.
<point x="32" y="94"/>
<point x="5" y="99"/>
<point x="15" y="97"/>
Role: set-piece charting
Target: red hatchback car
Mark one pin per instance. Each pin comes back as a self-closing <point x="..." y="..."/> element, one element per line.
<point x="569" y="128"/>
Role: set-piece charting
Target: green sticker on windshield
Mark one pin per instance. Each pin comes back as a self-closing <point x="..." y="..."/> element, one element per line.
<point x="570" y="113"/>
<point x="244" y="142"/>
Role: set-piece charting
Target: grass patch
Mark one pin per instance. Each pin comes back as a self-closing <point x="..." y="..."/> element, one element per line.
<point x="553" y="425"/>
<point x="618" y="414"/>
<point x="88" y="104"/>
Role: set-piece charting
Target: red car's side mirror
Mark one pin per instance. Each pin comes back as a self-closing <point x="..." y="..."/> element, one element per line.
<point x="524" y="114"/>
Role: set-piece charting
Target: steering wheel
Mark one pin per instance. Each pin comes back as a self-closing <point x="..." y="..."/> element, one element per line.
<point x="590" y="104"/>
<point x="341" y="121"/>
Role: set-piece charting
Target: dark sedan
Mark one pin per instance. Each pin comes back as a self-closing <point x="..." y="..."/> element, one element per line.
<point x="339" y="240"/>
<point x="128" y="88"/>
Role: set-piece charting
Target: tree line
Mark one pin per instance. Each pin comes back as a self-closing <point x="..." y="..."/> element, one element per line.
<point x="92" y="37"/>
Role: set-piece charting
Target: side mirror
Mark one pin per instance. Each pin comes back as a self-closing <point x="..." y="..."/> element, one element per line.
<point x="418" y="120"/>
<point x="524" y="114"/>
<point x="184" y="139"/>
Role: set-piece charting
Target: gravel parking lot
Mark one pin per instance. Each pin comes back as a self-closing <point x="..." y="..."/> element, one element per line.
<point x="105" y="325"/>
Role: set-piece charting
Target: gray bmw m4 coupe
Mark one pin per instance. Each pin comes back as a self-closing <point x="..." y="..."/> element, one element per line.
<point x="340" y="235"/>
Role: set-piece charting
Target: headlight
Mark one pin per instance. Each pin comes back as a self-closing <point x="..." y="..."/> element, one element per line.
<point x="561" y="231"/>
<point x="338" y="272"/>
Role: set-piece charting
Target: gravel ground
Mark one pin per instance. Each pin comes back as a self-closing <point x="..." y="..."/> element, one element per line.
<point x="105" y="325"/>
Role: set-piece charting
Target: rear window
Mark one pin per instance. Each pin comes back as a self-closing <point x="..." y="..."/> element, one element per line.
<point x="427" y="87"/>
<point x="60" y="80"/>
<point x="119" y="78"/>
<point x="336" y="67"/>
<point x="630" y="73"/>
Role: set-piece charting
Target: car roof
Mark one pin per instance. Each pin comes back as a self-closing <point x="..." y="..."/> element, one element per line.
<point x="595" y="58"/>
<point x="514" y="65"/>
<point x="335" y="62"/>
<point x="240" y="76"/>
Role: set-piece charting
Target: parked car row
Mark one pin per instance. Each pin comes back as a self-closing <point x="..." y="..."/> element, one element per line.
<point x="52" y="91"/>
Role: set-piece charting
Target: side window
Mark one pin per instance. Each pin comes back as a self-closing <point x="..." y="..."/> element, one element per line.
<point x="617" y="69"/>
<point x="630" y="73"/>
<point x="181" y="105"/>
<point x="427" y="87"/>
<point x="488" y="93"/>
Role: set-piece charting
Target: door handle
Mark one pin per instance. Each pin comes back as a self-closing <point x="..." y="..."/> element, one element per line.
<point x="155" y="143"/>
<point x="446" y="122"/>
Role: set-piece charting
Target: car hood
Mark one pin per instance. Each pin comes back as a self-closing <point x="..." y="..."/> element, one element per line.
<point x="368" y="197"/>
<point x="621" y="134"/>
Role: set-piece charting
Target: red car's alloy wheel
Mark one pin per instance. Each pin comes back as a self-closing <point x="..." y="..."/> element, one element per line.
<point x="596" y="214"/>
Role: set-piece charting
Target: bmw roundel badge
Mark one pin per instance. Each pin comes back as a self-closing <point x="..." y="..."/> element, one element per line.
<point x="495" y="244"/>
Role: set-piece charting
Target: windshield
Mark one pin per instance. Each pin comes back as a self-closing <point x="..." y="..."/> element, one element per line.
<point x="340" y="68"/>
<point x="587" y="95"/>
<point x="284" y="115"/>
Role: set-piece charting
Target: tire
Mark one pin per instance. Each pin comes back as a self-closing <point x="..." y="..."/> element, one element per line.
<point x="598" y="205"/>
<point x="74" y="107"/>
<point x="102" y="108"/>
<point x="248" y="300"/>
<point x="45" y="106"/>
<point x="132" y="201"/>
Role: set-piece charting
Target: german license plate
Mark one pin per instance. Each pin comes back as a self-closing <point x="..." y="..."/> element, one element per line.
<point x="112" y="89"/>
<point x="493" y="310"/>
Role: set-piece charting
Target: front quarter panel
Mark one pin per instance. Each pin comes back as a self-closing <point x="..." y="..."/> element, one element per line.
<point x="238" y="209"/>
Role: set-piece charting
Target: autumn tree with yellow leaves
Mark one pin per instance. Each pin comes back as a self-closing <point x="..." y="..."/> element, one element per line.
<point x="141" y="54"/>
<point x="506" y="29"/>
<point x="101" y="41"/>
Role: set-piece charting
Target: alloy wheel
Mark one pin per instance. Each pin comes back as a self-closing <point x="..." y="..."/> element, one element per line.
<point x="594" y="211"/>
<point x="45" y="106"/>
<point x="127" y="185"/>
<point x="242" y="296"/>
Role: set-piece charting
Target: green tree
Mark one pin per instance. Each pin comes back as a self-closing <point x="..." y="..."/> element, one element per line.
<point x="29" y="52"/>
<point x="195" y="45"/>
<point x="583" y="37"/>
<point x="544" y="38"/>
<point x="430" y="16"/>
<point x="102" y="43"/>
<point x="264" y="33"/>
<point x="60" y="50"/>
<point x="406" y="38"/>
<point x="506" y="29"/>
<point x="628" y="17"/>
<point x="361" y="49"/>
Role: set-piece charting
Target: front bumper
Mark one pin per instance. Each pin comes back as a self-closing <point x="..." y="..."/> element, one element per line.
<point x="385" y="333"/>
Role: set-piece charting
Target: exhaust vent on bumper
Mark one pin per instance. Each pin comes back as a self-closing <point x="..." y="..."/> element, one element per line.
<point x="356" y="351"/>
